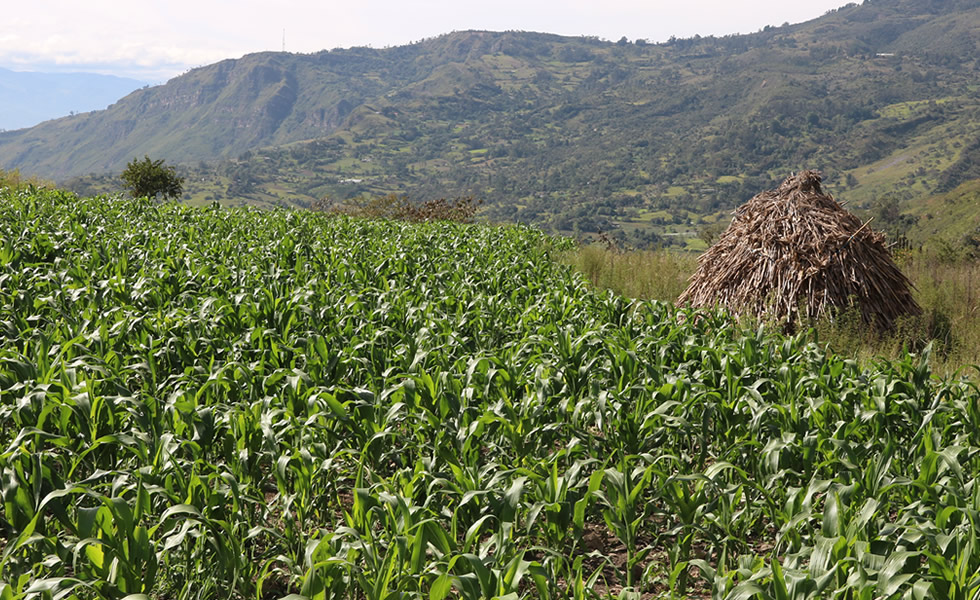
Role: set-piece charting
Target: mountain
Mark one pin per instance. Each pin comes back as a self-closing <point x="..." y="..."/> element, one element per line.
<point x="577" y="134"/>
<point x="28" y="98"/>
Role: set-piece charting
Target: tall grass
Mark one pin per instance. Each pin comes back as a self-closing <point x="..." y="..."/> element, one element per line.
<point x="646" y="274"/>
<point x="947" y="287"/>
<point x="948" y="290"/>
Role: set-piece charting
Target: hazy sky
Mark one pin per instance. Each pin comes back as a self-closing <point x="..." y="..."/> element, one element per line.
<point x="154" y="40"/>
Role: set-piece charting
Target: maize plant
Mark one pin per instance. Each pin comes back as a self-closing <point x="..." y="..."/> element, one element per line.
<point x="233" y="403"/>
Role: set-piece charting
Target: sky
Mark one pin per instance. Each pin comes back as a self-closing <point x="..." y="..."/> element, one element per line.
<point x="154" y="41"/>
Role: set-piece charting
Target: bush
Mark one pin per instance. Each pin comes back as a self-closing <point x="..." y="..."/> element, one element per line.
<point x="14" y="180"/>
<point x="150" y="178"/>
<point x="461" y="209"/>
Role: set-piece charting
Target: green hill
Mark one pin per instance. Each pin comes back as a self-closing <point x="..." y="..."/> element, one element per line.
<point x="573" y="134"/>
<point x="952" y="217"/>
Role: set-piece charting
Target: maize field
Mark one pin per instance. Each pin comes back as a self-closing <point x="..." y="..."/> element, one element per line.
<point x="202" y="403"/>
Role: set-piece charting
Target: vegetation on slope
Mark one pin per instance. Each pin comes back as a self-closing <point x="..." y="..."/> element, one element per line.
<point x="207" y="402"/>
<point x="949" y="222"/>
<point x="650" y="142"/>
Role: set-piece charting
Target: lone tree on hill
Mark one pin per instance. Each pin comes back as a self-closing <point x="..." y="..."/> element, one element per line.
<point x="150" y="177"/>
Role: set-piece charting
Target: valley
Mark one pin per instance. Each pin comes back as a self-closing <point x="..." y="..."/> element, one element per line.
<point x="650" y="143"/>
<point x="412" y="328"/>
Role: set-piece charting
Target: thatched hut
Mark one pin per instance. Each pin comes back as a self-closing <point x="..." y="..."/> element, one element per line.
<point x="797" y="249"/>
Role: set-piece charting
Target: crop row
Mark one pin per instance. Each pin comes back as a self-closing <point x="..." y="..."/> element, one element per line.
<point x="210" y="403"/>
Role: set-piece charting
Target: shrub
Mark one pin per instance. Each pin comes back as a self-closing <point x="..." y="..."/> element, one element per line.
<point x="14" y="180"/>
<point x="150" y="178"/>
<point x="461" y="209"/>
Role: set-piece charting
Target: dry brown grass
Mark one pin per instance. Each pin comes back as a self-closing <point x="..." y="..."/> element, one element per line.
<point x="647" y="274"/>
<point x="949" y="294"/>
<point x="947" y="289"/>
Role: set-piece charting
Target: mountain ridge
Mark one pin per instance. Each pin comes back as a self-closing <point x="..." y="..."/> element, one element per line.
<point x="29" y="98"/>
<point x="575" y="133"/>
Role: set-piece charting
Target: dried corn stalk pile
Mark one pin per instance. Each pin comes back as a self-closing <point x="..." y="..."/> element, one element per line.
<point x="793" y="249"/>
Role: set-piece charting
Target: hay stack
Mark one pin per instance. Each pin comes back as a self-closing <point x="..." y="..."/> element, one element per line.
<point x="796" y="248"/>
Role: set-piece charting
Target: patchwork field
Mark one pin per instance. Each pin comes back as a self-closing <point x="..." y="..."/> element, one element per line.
<point x="235" y="403"/>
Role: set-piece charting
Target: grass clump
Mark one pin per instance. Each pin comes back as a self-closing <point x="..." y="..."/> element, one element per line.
<point x="648" y="274"/>
<point x="947" y="287"/>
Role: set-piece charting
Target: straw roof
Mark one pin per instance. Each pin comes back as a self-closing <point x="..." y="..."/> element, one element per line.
<point x="797" y="249"/>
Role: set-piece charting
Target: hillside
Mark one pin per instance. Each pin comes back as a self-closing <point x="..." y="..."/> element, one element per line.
<point x="573" y="134"/>
<point x="952" y="217"/>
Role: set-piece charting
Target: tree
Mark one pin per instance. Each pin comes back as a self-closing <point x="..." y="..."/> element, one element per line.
<point x="151" y="178"/>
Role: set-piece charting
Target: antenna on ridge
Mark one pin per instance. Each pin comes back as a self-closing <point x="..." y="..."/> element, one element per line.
<point x="284" y="39"/>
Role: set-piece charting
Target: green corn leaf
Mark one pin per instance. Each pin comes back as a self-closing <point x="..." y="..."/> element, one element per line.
<point x="892" y="575"/>
<point x="440" y="587"/>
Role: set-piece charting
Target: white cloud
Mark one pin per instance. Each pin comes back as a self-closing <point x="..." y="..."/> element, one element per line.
<point x="161" y="39"/>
